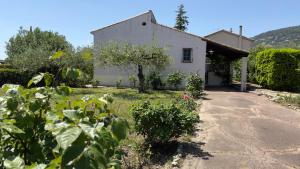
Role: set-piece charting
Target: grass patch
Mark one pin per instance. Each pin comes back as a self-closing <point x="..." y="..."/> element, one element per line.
<point x="292" y="100"/>
<point x="125" y="97"/>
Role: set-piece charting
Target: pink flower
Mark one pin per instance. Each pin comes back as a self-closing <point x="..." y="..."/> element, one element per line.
<point x="186" y="97"/>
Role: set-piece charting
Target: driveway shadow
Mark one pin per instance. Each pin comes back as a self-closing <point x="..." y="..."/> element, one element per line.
<point x="195" y="150"/>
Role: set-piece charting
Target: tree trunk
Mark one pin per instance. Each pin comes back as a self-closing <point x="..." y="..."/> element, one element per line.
<point x="141" y="79"/>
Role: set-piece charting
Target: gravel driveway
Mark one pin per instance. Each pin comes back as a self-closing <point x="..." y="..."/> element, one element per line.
<point x="244" y="130"/>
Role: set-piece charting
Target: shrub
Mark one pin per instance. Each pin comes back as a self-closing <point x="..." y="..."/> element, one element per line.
<point x="251" y="69"/>
<point x="132" y="80"/>
<point x="154" y="81"/>
<point x="13" y="76"/>
<point x="5" y="66"/>
<point x="195" y="85"/>
<point x="277" y="69"/>
<point x="160" y="123"/>
<point x="118" y="83"/>
<point x="186" y="103"/>
<point x="175" y="79"/>
<point x="95" y="83"/>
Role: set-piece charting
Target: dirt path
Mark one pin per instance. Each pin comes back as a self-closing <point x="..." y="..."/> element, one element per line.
<point x="243" y="130"/>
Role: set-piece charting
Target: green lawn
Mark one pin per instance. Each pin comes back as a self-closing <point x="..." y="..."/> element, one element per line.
<point x="125" y="97"/>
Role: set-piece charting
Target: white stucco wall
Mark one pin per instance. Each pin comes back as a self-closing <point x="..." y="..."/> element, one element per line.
<point x="175" y="42"/>
<point x="230" y="40"/>
<point x="134" y="32"/>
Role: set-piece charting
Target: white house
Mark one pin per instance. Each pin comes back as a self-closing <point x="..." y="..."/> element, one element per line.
<point x="188" y="51"/>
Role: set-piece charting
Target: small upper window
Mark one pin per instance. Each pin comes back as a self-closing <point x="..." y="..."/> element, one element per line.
<point x="144" y="23"/>
<point x="187" y="55"/>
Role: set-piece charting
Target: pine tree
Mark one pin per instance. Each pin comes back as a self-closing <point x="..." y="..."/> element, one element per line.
<point x="181" y="19"/>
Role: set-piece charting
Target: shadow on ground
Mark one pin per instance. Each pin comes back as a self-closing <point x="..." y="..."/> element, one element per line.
<point x="194" y="149"/>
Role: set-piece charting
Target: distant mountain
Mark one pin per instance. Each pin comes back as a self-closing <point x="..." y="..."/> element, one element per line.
<point x="279" y="38"/>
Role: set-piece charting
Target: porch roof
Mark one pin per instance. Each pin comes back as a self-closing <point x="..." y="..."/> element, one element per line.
<point x="222" y="49"/>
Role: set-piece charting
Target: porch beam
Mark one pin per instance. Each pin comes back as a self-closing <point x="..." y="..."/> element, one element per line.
<point x="244" y="61"/>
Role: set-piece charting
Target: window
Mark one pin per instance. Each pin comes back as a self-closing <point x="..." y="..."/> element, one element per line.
<point x="144" y="23"/>
<point x="187" y="55"/>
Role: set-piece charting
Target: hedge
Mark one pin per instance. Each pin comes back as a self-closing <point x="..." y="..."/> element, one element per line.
<point x="5" y="66"/>
<point x="12" y="76"/>
<point x="278" y="69"/>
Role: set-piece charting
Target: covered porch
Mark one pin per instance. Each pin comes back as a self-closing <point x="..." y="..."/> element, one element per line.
<point x="219" y="64"/>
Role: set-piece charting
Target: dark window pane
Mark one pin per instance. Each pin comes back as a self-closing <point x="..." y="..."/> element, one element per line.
<point x="187" y="54"/>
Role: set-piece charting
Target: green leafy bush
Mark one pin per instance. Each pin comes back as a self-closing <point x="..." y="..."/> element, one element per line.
<point x="35" y="132"/>
<point x="132" y="80"/>
<point x="251" y="68"/>
<point x="186" y="103"/>
<point x="175" y="79"/>
<point x="118" y="83"/>
<point x="95" y="83"/>
<point x="194" y="85"/>
<point x="5" y="66"/>
<point x="160" y="123"/>
<point x="277" y="69"/>
<point x="154" y="80"/>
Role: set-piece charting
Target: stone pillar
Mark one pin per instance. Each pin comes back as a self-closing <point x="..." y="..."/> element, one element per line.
<point x="244" y="61"/>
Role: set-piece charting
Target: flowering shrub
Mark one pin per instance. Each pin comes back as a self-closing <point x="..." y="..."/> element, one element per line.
<point x="186" y="103"/>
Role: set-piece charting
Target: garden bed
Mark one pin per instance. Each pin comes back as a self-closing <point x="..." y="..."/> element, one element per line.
<point x="289" y="99"/>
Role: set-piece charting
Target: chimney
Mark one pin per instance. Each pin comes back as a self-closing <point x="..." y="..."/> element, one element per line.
<point x="230" y="30"/>
<point x="240" y="37"/>
<point x="241" y="30"/>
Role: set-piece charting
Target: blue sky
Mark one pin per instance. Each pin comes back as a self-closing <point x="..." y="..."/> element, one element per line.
<point x="76" y="18"/>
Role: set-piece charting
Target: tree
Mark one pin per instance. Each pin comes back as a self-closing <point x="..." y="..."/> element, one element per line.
<point x="29" y="50"/>
<point x="181" y="19"/>
<point x="139" y="56"/>
<point x="32" y="39"/>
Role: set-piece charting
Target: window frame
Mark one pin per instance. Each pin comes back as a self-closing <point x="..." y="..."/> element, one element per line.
<point x="191" y="55"/>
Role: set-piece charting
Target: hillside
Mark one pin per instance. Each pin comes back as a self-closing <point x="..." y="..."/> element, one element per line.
<point x="284" y="37"/>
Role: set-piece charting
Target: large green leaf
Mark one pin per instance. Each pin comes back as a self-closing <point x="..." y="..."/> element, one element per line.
<point x="55" y="163"/>
<point x="73" y="115"/>
<point x="36" y="79"/>
<point x="67" y="136"/>
<point x="48" y="78"/>
<point x="57" y="55"/>
<point x="36" y="166"/>
<point x="119" y="128"/>
<point x="7" y="87"/>
<point x="17" y="163"/>
<point x="71" y="73"/>
<point x="10" y="128"/>
<point x="73" y="153"/>
<point x="88" y="129"/>
<point x="34" y="106"/>
<point x="63" y="90"/>
<point x="39" y="96"/>
<point x="12" y="104"/>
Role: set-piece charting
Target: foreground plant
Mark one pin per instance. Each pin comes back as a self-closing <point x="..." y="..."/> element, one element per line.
<point x="35" y="133"/>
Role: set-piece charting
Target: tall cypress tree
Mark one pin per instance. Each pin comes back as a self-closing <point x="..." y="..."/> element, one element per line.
<point x="181" y="19"/>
